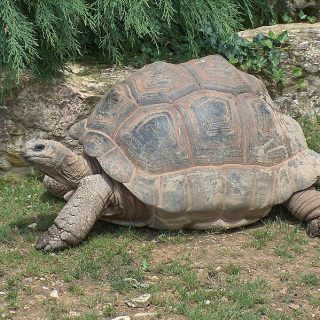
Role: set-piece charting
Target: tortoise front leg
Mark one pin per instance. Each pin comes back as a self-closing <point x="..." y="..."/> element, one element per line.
<point x="56" y="188"/>
<point x="305" y="205"/>
<point x="79" y="215"/>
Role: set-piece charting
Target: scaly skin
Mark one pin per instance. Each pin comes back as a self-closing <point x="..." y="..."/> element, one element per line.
<point x="55" y="187"/>
<point x="305" y="206"/>
<point x="76" y="219"/>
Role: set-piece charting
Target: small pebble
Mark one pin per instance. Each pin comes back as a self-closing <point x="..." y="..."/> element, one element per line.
<point x="32" y="226"/>
<point x="74" y="314"/>
<point x="207" y="302"/>
<point x="154" y="278"/>
<point x="122" y="318"/>
<point x="54" y="294"/>
<point x="145" y="315"/>
<point x="144" y="285"/>
<point x="293" y="306"/>
<point x="132" y="281"/>
<point x="140" y="302"/>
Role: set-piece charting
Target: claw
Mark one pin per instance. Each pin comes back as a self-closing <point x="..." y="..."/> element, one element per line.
<point x="50" y="241"/>
<point x="313" y="228"/>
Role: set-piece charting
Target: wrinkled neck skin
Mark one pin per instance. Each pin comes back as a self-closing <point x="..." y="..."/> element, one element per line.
<point x="69" y="168"/>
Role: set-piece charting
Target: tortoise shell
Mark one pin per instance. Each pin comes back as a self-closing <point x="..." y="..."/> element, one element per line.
<point x="198" y="136"/>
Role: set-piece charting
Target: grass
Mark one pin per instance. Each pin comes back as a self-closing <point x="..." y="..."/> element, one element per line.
<point x="251" y="273"/>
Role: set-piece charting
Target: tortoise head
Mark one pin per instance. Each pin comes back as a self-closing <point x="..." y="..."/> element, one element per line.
<point x="57" y="161"/>
<point x="45" y="155"/>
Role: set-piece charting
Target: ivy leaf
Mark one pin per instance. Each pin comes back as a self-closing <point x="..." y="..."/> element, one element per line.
<point x="312" y="19"/>
<point x="302" y="15"/>
<point x="286" y="18"/>
<point x="272" y="35"/>
<point x="233" y="60"/>
<point x="278" y="75"/>
<point x="297" y="72"/>
<point x="267" y="43"/>
<point x="301" y="83"/>
<point x="283" y="37"/>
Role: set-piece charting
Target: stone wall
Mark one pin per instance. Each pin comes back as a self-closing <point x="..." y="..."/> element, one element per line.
<point x="47" y="110"/>
<point x="303" y="52"/>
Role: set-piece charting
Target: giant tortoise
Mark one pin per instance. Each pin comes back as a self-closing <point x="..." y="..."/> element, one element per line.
<point x="196" y="145"/>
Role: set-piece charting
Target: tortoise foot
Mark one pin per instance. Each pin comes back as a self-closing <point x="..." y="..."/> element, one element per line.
<point x="51" y="240"/>
<point x="313" y="228"/>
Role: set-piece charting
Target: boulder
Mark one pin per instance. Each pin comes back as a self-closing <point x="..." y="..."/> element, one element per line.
<point x="303" y="52"/>
<point x="48" y="109"/>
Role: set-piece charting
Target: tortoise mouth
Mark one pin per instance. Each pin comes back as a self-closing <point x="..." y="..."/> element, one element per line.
<point x="32" y="158"/>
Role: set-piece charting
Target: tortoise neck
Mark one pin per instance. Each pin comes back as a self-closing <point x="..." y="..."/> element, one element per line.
<point x="71" y="168"/>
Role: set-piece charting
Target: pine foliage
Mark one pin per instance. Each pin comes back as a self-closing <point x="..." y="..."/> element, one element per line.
<point x="43" y="34"/>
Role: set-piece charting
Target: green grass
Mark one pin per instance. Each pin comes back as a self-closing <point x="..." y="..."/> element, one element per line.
<point x="190" y="275"/>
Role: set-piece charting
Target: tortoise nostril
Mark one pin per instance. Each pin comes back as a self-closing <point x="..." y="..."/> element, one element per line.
<point x="39" y="147"/>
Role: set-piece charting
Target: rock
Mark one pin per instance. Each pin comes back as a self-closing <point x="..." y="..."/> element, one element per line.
<point x="48" y="110"/>
<point x="134" y="282"/>
<point x="145" y="315"/>
<point x="140" y="302"/>
<point x="304" y="53"/>
<point x="122" y="318"/>
<point x="310" y="7"/>
<point x="4" y="164"/>
<point x="207" y="302"/>
<point x="73" y="314"/>
<point x="130" y="304"/>
<point x="2" y="293"/>
<point x="293" y="306"/>
<point x="154" y="278"/>
<point x="145" y="285"/>
<point x="32" y="226"/>
<point x="54" y="294"/>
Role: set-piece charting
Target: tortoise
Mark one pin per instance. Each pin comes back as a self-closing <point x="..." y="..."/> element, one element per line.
<point x="196" y="145"/>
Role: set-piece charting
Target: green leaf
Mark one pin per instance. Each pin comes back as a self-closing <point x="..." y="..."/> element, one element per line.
<point x="297" y="72"/>
<point x="272" y="35"/>
<point x="301" y="83"/>
<point x="233" y="60"/>
<point x="286" y="18"/>
<point x="278" y="74"/>
<point x="312" y="19"/>
<point x="267" y="43"/>
<point x="283" y="37"/>
<point x="302" y="15"/>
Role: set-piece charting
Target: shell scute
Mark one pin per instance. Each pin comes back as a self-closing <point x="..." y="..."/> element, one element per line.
<point x="112" y="110"/>
<point x="153" y="143"/>
<point x="213" y="126"/>
<point x="216" y="73"/>
<point x="97" y="144"/>
<point x="161" y="82"/>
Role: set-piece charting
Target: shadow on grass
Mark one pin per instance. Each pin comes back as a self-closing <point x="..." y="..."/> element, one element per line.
<point x="45" y="220"/>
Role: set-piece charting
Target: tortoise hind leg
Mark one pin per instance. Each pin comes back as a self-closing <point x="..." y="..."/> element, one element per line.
<point x="305" y="206"/>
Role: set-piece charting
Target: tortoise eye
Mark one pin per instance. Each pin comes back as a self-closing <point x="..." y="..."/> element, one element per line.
<point x="39" y="147"/>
